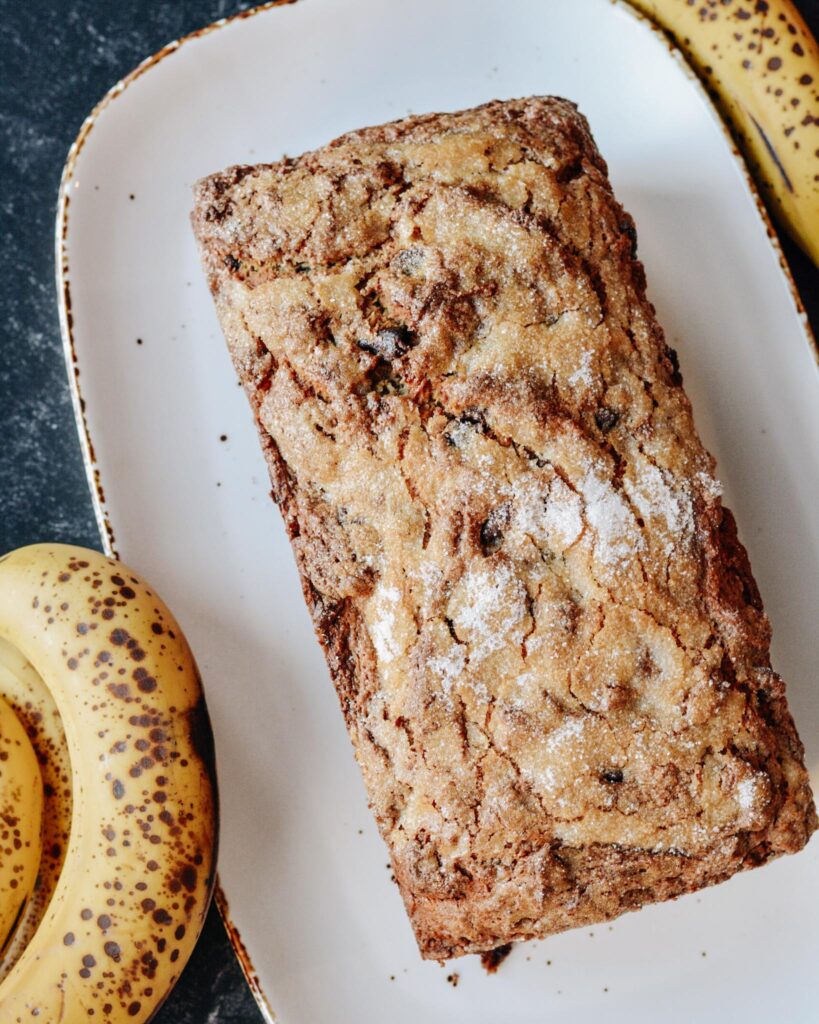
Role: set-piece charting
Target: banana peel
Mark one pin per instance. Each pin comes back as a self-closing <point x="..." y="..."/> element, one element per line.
<point x="34" y="706"/>
<point x="138" y="871"/>
<point x="21" y="811"/>
<point x="760" y="64"/>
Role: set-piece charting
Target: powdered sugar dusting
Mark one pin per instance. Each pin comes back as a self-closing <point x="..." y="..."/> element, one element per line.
<point x="429" y="575"/>
<point x="566" y="734"/>
<point x="747" y="793"/>
<point x="611" y="519"/>
<point x="563" y="519"/>
<point x="656" y="496"/>
<point x="491" y="609"/>
<point x="521" y="698"/>
<point x="382" y="628"/>
<point x="546" y="780"/>
<point x="550" y="515"/>
<point x="459" y="434"/>
<point x="582" y="376"/>
<point x="710" y="486"/>
<point x="563" y="756"/>
<point x="447" y="668"/>
<point x="528" y="508"/>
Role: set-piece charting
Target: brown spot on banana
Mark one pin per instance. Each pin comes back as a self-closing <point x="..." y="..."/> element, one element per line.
<point x="139" y="867"/>
<point x="760" y="64"/>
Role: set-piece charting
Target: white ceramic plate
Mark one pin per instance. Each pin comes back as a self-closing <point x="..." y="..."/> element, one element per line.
<point x="301" y="862"/>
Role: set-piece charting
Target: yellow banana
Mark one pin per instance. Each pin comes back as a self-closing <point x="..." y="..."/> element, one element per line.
<point x="760" y="64"/>
<point x="21" y="811"/>
<point x="138" y="872"/>
<point x="35" y="707"/>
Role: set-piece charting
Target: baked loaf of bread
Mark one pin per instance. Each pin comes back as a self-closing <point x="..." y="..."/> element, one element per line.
<point x="545" y="636"/>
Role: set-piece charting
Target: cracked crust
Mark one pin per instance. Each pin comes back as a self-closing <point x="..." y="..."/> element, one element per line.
<point x="545" y="636"/>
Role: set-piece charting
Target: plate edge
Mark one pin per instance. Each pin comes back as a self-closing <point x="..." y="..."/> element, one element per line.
<point x="243" y="956"/>
<point x="92" y="471"/>
<point x="61" y="255"/>
<point x="739" y="160"/>
<point x="72" y="363"/>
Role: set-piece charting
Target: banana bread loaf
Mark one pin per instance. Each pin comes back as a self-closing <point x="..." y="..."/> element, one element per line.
<point x="545" y="636"/>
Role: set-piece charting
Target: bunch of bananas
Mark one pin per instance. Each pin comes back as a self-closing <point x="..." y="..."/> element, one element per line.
<point x="107" y="791"/>
<point x="760" y="64"/>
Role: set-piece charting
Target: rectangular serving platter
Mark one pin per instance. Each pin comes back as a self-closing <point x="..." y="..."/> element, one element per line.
<point x="181" y="491"/>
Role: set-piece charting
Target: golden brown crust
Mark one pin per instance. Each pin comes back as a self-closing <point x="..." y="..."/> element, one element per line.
<point x="547" y="642"/>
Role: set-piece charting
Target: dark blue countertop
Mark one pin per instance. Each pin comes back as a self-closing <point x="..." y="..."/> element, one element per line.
<point x="57" y="59"/>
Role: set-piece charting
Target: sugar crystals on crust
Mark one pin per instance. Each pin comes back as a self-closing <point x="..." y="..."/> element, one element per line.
<point x="544" y="633"/>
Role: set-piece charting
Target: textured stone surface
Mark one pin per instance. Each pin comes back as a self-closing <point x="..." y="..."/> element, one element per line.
<point x="58" y="60"/>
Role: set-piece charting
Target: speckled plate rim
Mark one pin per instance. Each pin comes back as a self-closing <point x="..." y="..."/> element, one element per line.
<point x="90" y="463"/>
<point x="72" y="364"/>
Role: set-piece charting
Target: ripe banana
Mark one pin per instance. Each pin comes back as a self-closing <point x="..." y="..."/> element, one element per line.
<point x="760" y="63"/>
<point x="21" y="810"/>
<point x="32" y="701"/>
<point x="139" y="868"/>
